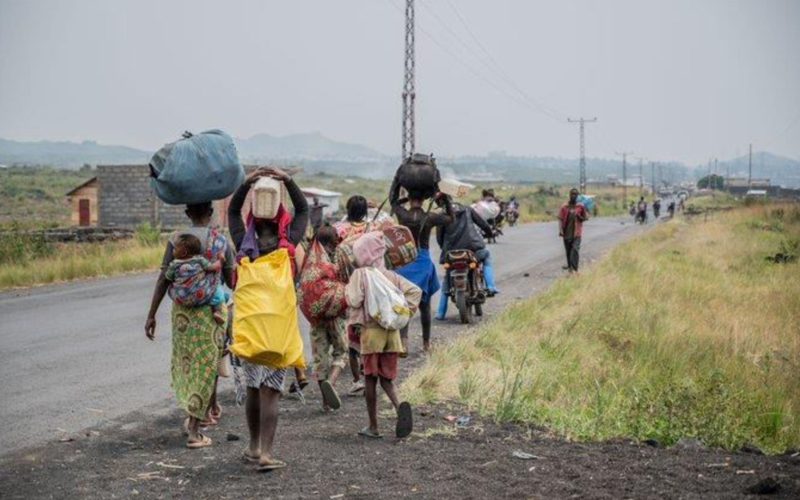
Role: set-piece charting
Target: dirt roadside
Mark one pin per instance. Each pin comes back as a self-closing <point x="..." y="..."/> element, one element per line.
<point x="143" y="455"/>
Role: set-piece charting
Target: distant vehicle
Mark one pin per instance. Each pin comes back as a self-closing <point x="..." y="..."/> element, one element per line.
<point x="756" y="193"/>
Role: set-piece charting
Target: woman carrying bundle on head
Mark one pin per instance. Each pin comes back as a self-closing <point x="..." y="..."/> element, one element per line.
<point x="266" y="335"/>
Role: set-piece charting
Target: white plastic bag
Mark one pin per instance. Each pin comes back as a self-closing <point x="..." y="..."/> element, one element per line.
<point x="384" y="302"/>
<point x="488" y="210"/>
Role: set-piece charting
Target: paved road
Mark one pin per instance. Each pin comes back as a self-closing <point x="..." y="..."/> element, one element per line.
<point x="74" y="356"/>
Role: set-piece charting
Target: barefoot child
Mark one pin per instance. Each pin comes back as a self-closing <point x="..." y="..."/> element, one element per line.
<point x="194" y="281"/>
<point x="380" y="347"/>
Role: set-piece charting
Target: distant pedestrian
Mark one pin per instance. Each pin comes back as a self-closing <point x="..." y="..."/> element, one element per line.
<point x="316" y="214"/>
<point x="571" y="218"/>
<point x="641" y="211"/>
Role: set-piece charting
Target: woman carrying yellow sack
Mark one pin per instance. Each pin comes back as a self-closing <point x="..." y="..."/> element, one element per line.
<point x="266" y="336"/>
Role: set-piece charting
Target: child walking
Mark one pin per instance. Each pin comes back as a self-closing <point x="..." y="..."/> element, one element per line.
<point x="194" y="280"/>
<point x="380" y="346"/>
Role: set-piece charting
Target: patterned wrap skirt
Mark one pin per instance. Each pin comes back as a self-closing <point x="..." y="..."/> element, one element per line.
<point x="197" y="344"/>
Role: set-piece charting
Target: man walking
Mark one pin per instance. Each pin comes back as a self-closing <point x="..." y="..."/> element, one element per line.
<point x="570" y="227"/>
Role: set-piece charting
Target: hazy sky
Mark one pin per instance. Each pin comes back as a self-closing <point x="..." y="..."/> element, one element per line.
<point x="671" y="79"/>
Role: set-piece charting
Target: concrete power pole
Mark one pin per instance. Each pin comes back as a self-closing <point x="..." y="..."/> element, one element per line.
<point x="641" y="177"/>
<point x="409" y="90"/>
<point x="653" y="176"/>
<point x="716" y="174"/>
<point x="750" y="169"/>
<point x="624" y="178"/>
<point x="582" y="164"/>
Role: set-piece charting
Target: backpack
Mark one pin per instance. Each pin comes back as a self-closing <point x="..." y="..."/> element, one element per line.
<point x="384" y="302"/>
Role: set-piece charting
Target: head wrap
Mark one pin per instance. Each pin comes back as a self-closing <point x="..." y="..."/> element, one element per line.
<point x="369" y="250"/>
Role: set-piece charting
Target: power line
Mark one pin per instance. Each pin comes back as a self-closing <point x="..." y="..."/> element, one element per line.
<point x="547" y="110"/>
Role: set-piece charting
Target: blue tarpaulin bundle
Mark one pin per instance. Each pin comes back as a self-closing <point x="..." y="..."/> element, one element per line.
<point x="196" y="169"/>
<point x="587" y="201"/>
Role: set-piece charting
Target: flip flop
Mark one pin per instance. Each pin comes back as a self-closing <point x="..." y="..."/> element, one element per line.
<point x="250" y="458"/>
<point x="271" y="465"/>
<point x="204" y="442"/>
<point x="329" y="395"/>
<point x="367" y="432"/>
<point x="405" y="423"/>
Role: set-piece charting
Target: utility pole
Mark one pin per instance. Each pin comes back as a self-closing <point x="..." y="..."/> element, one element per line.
<point x="653" y="176"/>
<point x="641" y="177"/>
<point x="624" y="178"/>
<point x="582" y="164"/>
<point x="750" y="169"/>
<point x="409" y="90"/>
<point x="715" y="173"/>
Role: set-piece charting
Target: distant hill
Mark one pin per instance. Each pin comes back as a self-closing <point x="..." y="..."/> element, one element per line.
<point x="68" y="154"/>
<point x="261" y="147"/>
<point x="312" y="146"/>
<point x="779" y="170"/>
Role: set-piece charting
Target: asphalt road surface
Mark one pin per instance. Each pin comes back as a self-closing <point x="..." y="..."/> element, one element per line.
<point x="74" y="356"/>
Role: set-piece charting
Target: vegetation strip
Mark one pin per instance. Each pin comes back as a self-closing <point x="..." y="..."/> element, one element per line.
<point x="687" y="331"/>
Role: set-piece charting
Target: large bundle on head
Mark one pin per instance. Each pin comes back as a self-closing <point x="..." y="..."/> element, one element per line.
<point x="196" y="169"/>
<point x="419" y="176"/>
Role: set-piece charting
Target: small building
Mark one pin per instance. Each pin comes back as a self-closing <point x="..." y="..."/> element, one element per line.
<point x="83" y="200"/>
<point x="329" y="198"/>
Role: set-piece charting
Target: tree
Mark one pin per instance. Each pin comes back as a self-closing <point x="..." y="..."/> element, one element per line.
<point x="716" y="182"/>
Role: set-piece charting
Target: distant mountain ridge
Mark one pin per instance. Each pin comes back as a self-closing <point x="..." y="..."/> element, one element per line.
<point x="302" y="146"/>
<point x="263" y="147"/>
<point x="317" y="153"/>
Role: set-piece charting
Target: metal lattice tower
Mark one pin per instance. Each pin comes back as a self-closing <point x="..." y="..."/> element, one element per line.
<point x="409" y="91"/>
<point x="582" y="164"/>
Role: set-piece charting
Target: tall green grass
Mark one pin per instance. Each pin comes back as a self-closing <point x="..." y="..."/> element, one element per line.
<point x="29" y="259"/>
<point x="687" y="331"/>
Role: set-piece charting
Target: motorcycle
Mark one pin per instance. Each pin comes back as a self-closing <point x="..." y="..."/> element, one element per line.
<point x="466" y="284"/>
<point x="512" y="216"/>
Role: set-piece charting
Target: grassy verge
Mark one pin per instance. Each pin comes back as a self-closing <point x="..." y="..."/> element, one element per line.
<point x="27" y="260"/>
<point x="687" y="331"/>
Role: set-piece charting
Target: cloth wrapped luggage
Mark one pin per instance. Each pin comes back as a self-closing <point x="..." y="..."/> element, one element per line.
<point x="400" y="250"/>
<point x="265" y="326"/>
<point x="320" y="293"/>
<point x="196" y="169"/>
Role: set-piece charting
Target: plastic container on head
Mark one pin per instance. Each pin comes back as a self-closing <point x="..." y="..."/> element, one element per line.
<point x="268" y="194"/>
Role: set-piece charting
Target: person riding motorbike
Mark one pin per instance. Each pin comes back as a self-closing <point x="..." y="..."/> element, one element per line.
<point x="512" y="211"/>
<point x="461" y="234"/>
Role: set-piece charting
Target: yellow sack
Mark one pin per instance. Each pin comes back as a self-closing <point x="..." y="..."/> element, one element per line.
<point x="265" y="329"/>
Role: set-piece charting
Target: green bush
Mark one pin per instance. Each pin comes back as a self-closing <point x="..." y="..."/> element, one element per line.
<point x="148" y="235"/>
<point x="18" y="247"/>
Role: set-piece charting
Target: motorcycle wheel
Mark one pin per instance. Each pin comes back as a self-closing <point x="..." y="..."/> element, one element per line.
<point x="464" y="309"/>
<point x="478" y="310"/>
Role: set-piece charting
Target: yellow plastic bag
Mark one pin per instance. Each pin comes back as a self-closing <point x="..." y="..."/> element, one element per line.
<point x="265" y="329"/>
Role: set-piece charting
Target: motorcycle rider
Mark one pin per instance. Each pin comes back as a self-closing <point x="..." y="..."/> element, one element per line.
<point x="512" y="210"/>
<point x="461" y="234"/>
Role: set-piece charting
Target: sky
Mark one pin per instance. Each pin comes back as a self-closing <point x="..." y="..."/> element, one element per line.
<point x="682" y="80"/>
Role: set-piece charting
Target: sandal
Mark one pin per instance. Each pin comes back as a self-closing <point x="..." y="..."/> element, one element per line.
<point x="250" y="458"/>
<point x="272" y="464"/>
<point x="204" y="442"/>
<point x="405" y="422"/>
<point x="367" y="432"/>
<point x="329" y="395"/>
